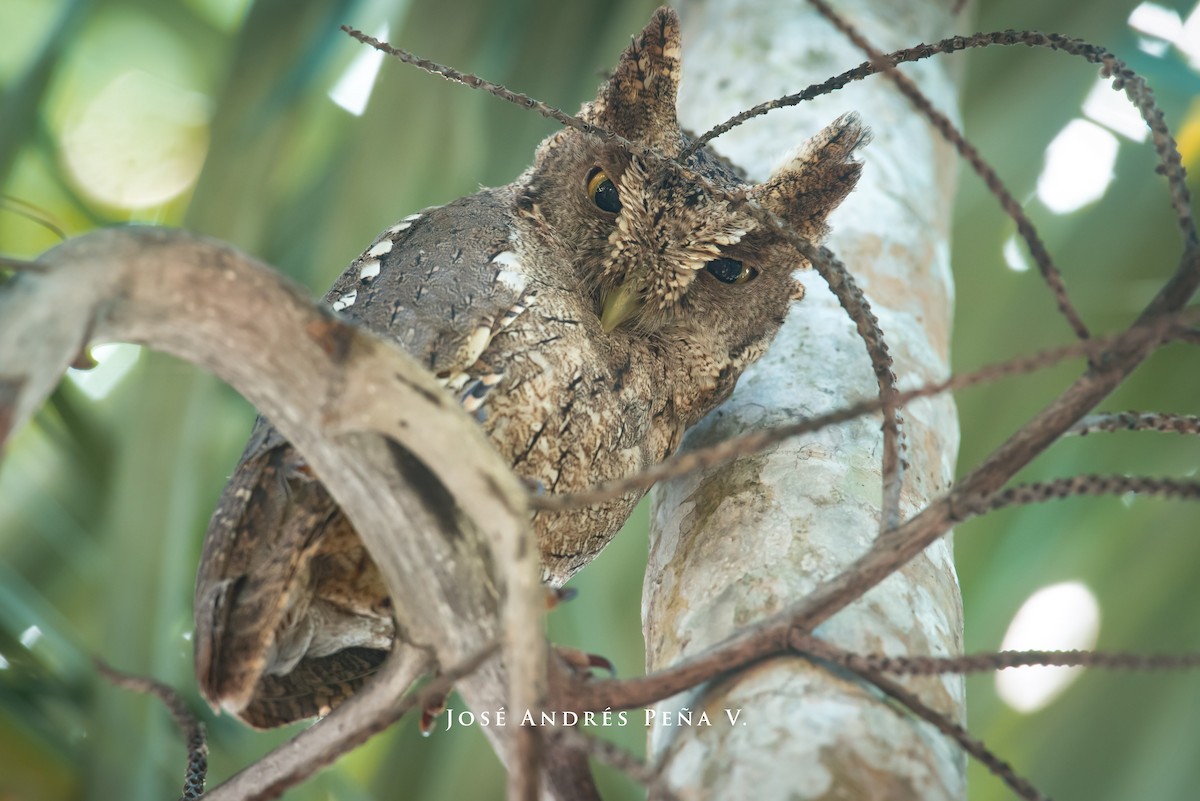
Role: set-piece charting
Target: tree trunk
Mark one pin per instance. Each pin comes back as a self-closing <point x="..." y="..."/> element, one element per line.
<point x="737" y="543"/>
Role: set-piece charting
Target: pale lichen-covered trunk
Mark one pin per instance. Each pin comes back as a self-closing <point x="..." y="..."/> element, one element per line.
<point x="737" y="543"/>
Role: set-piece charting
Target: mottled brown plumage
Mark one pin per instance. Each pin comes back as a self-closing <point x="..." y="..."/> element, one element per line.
<point x="586" y="314"/>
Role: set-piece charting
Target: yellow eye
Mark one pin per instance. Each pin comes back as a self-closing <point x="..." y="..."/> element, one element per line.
<point x="603" y="192"/>
<point x="730" y="271"/>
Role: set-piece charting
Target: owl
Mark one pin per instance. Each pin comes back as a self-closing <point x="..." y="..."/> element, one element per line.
<point x="585" y="315"/>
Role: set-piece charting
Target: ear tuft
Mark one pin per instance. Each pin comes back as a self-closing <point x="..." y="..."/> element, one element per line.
<point x="638" y="101"/>
<point x="813" y="182"/>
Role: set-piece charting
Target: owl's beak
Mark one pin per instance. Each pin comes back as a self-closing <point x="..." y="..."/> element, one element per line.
<point x="618" y="304"/>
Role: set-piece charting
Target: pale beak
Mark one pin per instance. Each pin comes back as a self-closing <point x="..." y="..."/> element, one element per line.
<point x="618" y="304"/>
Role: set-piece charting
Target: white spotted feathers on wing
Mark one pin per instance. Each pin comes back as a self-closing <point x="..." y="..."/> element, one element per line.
<point x="345" y="301"/>
<point x="404" y="224"/>
<point x="444" y="282"/>
<point x="380" y="248"/>
<point x="509" y="272"/>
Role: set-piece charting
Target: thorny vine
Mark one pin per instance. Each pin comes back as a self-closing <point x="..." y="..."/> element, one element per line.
<point x="1109" y="358"/>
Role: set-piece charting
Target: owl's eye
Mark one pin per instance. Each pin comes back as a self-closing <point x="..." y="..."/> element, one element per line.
<point x="730" y="271"/>
<point x="603" y="192"/>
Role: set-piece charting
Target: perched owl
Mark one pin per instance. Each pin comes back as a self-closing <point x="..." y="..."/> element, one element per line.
<point x="585" y="314"/>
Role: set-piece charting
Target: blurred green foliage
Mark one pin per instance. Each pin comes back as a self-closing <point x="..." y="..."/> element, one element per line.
<point x="103" y="503"/>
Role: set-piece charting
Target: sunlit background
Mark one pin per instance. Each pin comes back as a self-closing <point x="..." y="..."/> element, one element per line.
<point x="262" y="124"/>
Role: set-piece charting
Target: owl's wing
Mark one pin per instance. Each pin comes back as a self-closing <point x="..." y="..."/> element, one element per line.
<point x="442" y="283"/>
<point x="254" y="566"/>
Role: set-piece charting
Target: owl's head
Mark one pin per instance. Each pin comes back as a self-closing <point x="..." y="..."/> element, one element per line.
<point x="660" y="256"/>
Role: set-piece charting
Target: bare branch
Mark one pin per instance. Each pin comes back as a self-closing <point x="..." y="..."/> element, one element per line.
<point x="747" y="646"/>
<point x="206" y="302"/>
<point x="516" y="98"/>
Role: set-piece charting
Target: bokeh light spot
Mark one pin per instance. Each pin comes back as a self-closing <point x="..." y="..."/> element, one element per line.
<point x="30" y="636"/>
<point x="1062" y="616"/>
<point x="112" y="363"/>
<point x="224" y="14"/>
<point x="1014" y="255"/>
<point x="139" y="142"/>
<point x="353" y="88"/>
<point x="1079" y="167"/>
<point x="1113" y="111"/>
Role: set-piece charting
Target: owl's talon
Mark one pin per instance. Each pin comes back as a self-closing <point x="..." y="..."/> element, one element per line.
<point x="559" y="595"/>
<point x="595" y="661"/>
<point x="430" y="712"/>
<point x="84" y="360"/>
<point x="583" y="663"/>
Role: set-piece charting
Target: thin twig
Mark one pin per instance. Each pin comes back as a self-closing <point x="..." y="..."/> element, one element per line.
<point x="856" y="306"/>
<point x="1002" y="660"/>
<point x="35" y="214"/>
<point x="851" y="297"/>
<point x="1090" y="485"/>
<point x="189" y="725"/>
<point x="1165" y="422"/>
